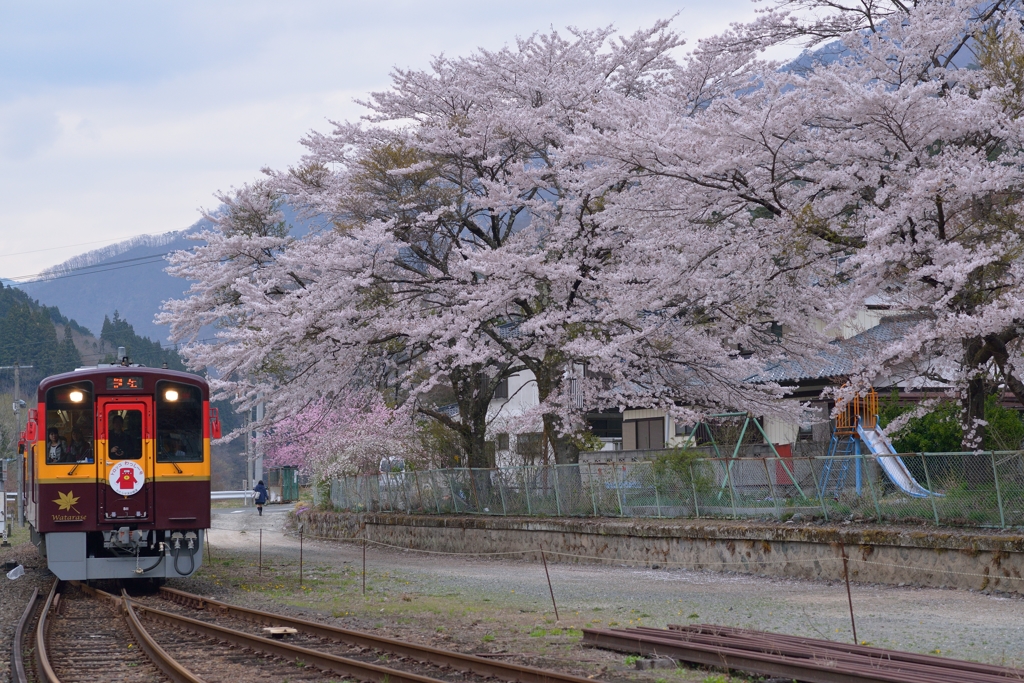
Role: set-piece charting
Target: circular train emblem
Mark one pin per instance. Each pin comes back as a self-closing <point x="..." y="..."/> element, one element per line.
<point x="126" y="477"/>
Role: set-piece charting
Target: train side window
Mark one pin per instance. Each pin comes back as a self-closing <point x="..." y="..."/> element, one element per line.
<point x="179" y="422"/>
<point x="69" y="411"/>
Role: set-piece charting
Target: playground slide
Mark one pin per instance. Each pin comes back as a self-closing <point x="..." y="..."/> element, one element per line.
<point x="893" y="466"/>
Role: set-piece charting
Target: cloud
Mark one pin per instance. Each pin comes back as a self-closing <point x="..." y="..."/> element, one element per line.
<point x="26" y="129"/>
<point x="118" y="119"/>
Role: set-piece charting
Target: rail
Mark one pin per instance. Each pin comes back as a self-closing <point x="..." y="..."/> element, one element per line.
<point x="136" y="614"/>
<point x="18" y="668"/>
<point x="363" y="671"/>
<point x="456" y="660"/>
<point x="790" y="657"/>
<point x="43" y="667"/>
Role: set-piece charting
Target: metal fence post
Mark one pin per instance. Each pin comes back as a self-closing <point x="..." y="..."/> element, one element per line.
<point x="732" y="489"/>
<point x="558" y="500"/>
<point x="451" y="487"/>
<point x="874" y="495"/>
<point x="501" y="491"/>
<point x="931" y="491"/>
<point x="526" y="487"/>
<point x="433" y="490"/>
<point x="618" y="491"/>
<point x="693" y="487"/>
<point x="657" y="495"/>
<point x="999" y="493"/>
<point x="771" y="487"/>
<point x="593" y="498"/>
<point x="821" y="491"/>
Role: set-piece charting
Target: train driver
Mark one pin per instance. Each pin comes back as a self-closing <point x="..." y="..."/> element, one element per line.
<point x="123" y="443"/>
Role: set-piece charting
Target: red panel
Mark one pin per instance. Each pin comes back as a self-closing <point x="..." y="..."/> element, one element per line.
<point x="183" y="504"/>
<point x="67" y="507"/>
<point x="785" y="451"/>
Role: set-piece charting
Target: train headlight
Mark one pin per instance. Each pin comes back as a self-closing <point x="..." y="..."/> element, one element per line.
<point x="76" y="396"/>
<point x="171" y="395"/>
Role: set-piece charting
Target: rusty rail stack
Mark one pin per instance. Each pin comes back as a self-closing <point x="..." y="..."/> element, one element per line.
<point x="802" y="659"/>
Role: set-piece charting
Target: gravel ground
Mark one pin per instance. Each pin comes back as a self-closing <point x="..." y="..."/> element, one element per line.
<point x="953" y="623"/>
<point x="14" y="595"/>
<point x="503" y="606"/>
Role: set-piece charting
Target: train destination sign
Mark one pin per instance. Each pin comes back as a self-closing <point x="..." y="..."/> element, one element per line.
<point x="123" y="383"/>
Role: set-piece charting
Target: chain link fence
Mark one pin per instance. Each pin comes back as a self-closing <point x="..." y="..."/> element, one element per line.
<point x="983" y="489"/>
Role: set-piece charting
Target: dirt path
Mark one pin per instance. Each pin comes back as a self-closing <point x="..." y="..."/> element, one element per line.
<point x="953" y="623"/>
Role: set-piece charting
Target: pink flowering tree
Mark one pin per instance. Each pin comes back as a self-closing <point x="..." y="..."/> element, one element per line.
<point x="348" y="435"/>
<point x="887" y="163"/>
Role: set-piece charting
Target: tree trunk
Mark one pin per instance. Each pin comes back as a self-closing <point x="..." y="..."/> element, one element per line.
<point x="977" y="469"/>
<point x="549" y="376"/>
<point x="564" y="446"/>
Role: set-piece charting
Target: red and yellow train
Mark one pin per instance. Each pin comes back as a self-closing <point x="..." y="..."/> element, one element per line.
<point x="117" y="472"/>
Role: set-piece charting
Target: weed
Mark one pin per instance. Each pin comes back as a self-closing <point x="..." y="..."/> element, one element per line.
<point x="489" y="638"/>
<point x="631" y="660"/>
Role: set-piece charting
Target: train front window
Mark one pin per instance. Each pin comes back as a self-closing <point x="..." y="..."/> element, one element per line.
<point x="69" y="423"/>
<point x="124" y="434"/>
<point x="179" y="422"/>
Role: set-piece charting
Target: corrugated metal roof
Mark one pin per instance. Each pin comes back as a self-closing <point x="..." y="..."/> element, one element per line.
<point x="844" y="356"/>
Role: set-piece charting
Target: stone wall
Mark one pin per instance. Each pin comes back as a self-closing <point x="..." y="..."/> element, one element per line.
<point x="934" y="557"/>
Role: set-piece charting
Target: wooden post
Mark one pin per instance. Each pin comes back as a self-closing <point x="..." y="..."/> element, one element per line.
<point x="550" y="589"/>
<point x="849" y="600"/>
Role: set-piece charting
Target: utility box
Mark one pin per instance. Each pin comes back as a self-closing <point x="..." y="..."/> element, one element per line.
<point x="283" y="484"/>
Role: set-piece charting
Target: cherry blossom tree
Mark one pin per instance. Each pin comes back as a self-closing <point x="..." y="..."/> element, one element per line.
<point x="483" y="220"/>
<point x="887" y="165"/>
<point x="349" y="435"/>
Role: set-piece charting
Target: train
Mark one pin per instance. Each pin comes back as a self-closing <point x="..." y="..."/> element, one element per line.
<point x="116" y="472"/>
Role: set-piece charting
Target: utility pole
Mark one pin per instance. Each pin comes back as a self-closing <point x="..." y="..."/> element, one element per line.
<point x="18" y="403"/>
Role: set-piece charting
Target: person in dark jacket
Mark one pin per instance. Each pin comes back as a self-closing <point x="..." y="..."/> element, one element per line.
<point x="261" y="496"/>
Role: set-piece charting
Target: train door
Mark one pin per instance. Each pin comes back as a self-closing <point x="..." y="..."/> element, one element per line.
<point x="126" y="458"/>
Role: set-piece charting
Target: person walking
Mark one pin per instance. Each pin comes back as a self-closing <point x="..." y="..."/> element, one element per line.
<point x="261" y="496"/>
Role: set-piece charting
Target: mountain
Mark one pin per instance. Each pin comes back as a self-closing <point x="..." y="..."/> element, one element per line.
<point x="126" y="278"/>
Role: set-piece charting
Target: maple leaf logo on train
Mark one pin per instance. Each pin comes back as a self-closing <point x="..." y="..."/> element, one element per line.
<point x="67" y="501"/>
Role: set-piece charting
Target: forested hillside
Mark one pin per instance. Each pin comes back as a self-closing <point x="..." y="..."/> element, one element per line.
<point x="28" y="335"/>
<point x="42" y="337"/>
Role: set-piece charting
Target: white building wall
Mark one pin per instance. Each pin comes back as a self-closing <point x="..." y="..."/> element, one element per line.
<point x="780" y="432"/>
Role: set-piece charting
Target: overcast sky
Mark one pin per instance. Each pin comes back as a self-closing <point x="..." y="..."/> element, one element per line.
<point x="123" y="118"/>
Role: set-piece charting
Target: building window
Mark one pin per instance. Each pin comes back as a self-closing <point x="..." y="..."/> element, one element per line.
<point x="805" y="433"/>
<point x="501" y="391"/>
<point x="502" y="442"/>
<point x="643" y="435"/>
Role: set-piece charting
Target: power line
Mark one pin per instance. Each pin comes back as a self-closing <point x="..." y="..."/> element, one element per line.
<point x="95" y="268"/>
<point x="79" y="244"/>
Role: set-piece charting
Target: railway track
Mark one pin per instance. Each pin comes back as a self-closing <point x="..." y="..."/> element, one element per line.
<point x="791" y="657"/>
<point x="80" y="632"/>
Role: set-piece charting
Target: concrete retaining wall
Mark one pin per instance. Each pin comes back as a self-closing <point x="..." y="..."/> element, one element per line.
<point x="941" y="558"/>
